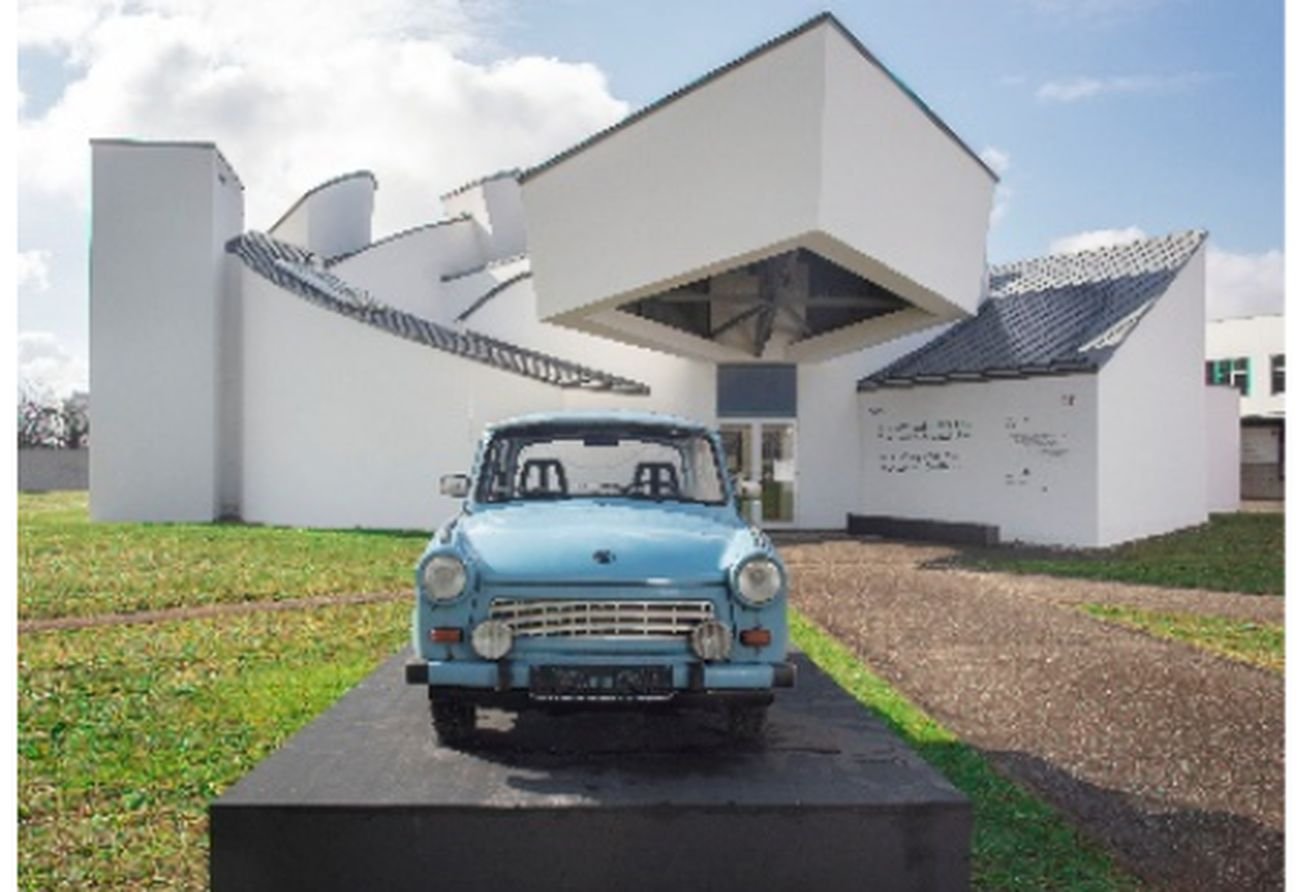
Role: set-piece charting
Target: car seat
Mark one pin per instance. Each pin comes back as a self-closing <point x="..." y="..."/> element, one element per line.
<point x="543" y="477"/>
<point x="657" y="479"/>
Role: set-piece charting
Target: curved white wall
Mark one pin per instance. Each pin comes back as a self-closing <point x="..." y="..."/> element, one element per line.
<point x="496" y="205"/>
<point x="333" y="218"/>
<point x="405" y="270"/>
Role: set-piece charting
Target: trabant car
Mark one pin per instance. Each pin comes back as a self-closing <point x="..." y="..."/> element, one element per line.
<point x="598" y="560"/>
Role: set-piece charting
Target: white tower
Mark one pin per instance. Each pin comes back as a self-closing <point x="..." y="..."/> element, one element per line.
<point x="164" y="352"/>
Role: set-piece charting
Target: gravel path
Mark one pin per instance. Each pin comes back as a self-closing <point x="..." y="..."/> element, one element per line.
<point x="1170" y="756"/>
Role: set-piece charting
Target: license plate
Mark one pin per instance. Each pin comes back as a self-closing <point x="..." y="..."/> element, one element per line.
<point x="601" y="682"/>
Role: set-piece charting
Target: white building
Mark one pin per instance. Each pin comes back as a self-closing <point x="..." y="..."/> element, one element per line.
<point x="1250" y="355"/>
<point x="757" y="250"/>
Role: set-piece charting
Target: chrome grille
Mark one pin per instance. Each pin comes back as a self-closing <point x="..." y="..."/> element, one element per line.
<point x="601" y="619"/>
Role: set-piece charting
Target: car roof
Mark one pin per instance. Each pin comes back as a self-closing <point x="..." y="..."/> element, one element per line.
<point x="579" y="417"/>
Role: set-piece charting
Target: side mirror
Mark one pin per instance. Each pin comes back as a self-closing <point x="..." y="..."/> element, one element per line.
<point x="750" y="490"/>
<point x="454" y="485"/>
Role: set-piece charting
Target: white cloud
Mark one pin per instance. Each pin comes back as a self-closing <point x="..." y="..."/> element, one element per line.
<point x="997" y="159"/>
<point x="1236" y="284"/>
<point x="46" y="366"/>
<point x="1001" y="204"/>
<point x="1243" y="284"/>
<point x="294" y="94"/>
<point x="1075" y="89"/>
<point x="33" y="271"/>
<point x="1095" y="238"/>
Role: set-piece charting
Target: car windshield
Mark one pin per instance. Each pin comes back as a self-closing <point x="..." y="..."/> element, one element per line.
<point x="566" y="462"/>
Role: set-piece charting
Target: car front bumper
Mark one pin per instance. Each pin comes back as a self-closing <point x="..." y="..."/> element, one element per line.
<point x="507" y="681"/>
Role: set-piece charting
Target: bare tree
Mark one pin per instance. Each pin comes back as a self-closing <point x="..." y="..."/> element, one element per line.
<point x="47" y="422"/>
<point x="75" y="415"/>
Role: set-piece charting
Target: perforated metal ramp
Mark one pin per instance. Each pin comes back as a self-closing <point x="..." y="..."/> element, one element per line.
<point x="363" y="798"/>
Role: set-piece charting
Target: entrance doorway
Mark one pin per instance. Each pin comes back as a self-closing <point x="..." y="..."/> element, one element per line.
<point x="763" y="451"/>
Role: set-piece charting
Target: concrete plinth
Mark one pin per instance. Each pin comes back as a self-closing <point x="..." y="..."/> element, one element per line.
<point x="363" y="798"/>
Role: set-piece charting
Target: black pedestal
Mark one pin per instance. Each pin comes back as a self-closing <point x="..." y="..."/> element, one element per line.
<point x="363" y="798"/>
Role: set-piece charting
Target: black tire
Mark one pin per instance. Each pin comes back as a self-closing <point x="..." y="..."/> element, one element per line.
<point x="745" y="722"/>
<point x="453" y="721"/>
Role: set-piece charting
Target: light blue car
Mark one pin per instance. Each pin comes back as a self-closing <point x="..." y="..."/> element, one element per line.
<point x="598" y="560"/>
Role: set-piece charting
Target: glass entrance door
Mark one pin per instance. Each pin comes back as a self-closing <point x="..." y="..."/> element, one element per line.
<point x="763" y="451"/>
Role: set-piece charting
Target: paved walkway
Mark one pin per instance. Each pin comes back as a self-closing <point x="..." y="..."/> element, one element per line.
<point x="1169" y="755"/>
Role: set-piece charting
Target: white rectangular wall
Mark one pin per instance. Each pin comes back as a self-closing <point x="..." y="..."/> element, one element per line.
<point x="1019" y="454"/>
<point x="730" y="168"/>
<point x="228" y="219"/>
<point x="1223" y="449"/>
<point x="897" y="187"/>
<point x="828" y="458"/>
<point x="1152" y="425"/>
<point x="161" y="214"/>
<point x="405" y="270"/>
<point x="828" y="449"/>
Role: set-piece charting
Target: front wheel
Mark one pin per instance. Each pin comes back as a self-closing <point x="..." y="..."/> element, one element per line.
<point x="745" y="722"/>
<point x="453" y="721"/>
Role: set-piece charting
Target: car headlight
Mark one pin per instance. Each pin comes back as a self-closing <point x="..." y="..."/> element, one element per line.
<point x="492" y="639"/>
<point x="758" y="581"/>
<point x="444" y="577"/>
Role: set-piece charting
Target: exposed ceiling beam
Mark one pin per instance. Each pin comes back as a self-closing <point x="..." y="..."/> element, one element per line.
<point x="736" y="320"/>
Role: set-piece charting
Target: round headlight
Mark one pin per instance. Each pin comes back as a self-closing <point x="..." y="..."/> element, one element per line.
<point x="758" y="581"/>
<point x="711" y="640"/>
<point x="444" y="577"/>
<point x="492" y="639"/>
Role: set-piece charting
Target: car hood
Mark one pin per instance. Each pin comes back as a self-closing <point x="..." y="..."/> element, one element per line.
<point x="558" y="542"/>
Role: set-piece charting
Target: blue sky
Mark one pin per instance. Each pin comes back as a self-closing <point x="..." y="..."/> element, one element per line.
<point x="1108" y="117"/>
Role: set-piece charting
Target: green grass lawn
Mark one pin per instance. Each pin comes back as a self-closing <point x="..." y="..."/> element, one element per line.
<point x="1260" y="644"/>
<point x="125" y="733"/>
<point x="1019" y="843"/>
<point x="1232" y="553"/>
<point x="70" y="567"/>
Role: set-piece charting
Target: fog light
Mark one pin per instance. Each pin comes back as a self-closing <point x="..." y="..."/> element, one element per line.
<point x="492" y="639"/>
<point x="756" y="637"/>
<point x="711" y="640"/>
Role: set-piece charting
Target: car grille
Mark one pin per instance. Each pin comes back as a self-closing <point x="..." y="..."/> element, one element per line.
<point x="601" y="619"/>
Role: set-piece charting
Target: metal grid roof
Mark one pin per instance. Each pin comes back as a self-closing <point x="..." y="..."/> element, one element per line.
<point x="304" y="274"/>
<point x="1049" y="315"/>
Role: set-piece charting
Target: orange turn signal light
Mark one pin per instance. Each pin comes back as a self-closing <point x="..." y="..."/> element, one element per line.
<point x="445" y="635"/>
<point x="756" y="637"/>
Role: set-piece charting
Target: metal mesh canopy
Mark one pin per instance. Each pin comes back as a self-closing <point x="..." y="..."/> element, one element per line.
<point x="1049" y="315"/>
<point x="303" y="273"/>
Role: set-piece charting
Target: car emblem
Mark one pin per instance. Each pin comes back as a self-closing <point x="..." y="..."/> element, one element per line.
<point x="604" y="556"/>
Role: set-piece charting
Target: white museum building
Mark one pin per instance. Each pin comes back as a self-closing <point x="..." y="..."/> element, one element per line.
<point x="792" y="248"/>
<point x="1249" y="355"/>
